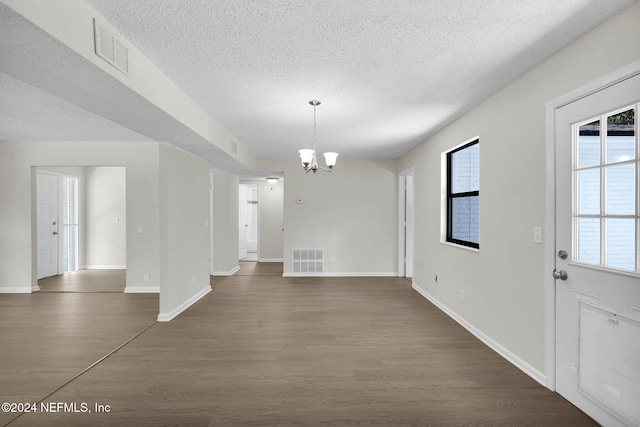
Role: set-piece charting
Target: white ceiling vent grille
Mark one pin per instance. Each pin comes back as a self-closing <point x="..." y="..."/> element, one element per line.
<point x="308" y="260"/>
<point x="109" y="48"/>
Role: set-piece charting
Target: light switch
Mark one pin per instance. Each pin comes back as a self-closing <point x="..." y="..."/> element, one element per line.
<point x="537" y="234"/>
<point x="139" y="229"/>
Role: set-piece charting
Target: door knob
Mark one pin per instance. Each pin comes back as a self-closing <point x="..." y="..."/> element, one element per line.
<point x="562" y="275"/>
<point x="55" y="232"/>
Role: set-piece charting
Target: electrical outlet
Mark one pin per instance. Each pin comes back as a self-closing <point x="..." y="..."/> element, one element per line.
<point x="461" y="295"/>
<point x="146" y="277"/>
<point x="332" y="260"/>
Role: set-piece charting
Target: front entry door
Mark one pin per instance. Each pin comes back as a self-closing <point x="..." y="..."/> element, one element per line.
<point x="597" y="263"/>
<point x="47" y="223"/>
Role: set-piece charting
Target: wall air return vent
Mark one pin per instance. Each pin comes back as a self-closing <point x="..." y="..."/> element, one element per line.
<point x="308" y="260"/>
<point x="109" y="48"/>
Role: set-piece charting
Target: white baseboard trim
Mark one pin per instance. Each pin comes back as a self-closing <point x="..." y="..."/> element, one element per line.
<point x="142" y="290"/>
<point x="347" y="274"/>
<point x="226" y="273"/>
<point x="270" y="259"/>
<point x="35" y="288"/>
<point x="103" y="267"/>
<point x="495" y="346"/>
<point x="182" y="307"/>
<point x="17" y="290"/>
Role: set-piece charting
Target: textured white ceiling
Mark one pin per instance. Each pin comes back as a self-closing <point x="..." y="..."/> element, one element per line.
<point x="389" y="73"/>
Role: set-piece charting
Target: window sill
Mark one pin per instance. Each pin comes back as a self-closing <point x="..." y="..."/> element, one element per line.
<point x="455" y="245"/>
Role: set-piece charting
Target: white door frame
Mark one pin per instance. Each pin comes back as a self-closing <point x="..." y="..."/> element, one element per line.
<point x="550" y="208"/>
<point x="406" y="209"/>
<point x="211" y="219"/>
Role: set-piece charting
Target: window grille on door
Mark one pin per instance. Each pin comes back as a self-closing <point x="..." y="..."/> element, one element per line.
<point x="605" y="188"/>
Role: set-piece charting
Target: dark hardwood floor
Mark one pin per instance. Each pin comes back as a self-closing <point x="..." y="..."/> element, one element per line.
<point x="263" y="350"/>
<point x="92" y="281"/>
<point x="252" y="268"/>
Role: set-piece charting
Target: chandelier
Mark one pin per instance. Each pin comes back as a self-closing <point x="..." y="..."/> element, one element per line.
<point x="308" y="157"/>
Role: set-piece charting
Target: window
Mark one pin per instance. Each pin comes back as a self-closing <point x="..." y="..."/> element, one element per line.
<point x="606" y="217"/>
<point x="463" y="195"/>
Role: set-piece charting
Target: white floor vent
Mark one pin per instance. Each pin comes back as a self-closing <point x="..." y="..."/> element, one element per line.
<point x="109" y="48"/>
<point x="308" y="260"/>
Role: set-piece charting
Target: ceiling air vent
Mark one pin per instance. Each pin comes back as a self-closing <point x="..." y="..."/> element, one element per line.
<point x="109" y="48"/>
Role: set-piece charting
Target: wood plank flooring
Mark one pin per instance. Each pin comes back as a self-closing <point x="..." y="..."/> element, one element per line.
<point x="92" y="281"/>
<point x="250" y="268"/>
<point x="266" y="350"/>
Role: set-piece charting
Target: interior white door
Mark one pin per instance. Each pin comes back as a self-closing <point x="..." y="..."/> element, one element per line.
<point x="47" y="224"/>
<point x="242" y="222"/>
<point x="597" y="244"/>
<point x="252" y="218"/>
<point x="409" y="227"/>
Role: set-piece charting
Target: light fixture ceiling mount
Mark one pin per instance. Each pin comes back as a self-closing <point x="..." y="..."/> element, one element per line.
<point x="308" y="157"/>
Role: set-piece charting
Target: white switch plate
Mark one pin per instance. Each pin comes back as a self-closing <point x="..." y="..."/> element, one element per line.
<point x="139" y="229"/>
<point x="537" y="234"/>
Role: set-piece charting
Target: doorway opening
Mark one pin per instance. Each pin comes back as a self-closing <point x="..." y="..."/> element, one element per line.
<point x="80" y="225"/>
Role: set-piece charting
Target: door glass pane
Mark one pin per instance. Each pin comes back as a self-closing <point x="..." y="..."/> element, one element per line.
<point x="621" y="186"/>
<point x="465" y="219"/>
<point x="465" y="170"/>
<point x="621" y="243"/>
<point x="65" y="200"/>
<point x="589" y="240"/>
<point x="65" y="250"/>
<point x="621" y="136"/>
<point x="589" y="145"/>
<point x="73" y="201"/>
<point x="589" y="192"/>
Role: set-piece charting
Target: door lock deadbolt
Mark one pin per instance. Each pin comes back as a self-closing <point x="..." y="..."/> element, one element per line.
<point x="562" y="254"/>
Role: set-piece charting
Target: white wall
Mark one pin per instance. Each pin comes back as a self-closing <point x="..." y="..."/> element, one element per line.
<point x="271" y="217"/>
<point x="17" y="180"/>
<point x="184" y="230"/>
<point x="350" y="213"/>
<point x="105" y="199"/>
<point x="503" y="282"/>
<point x="225" y="222"/>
